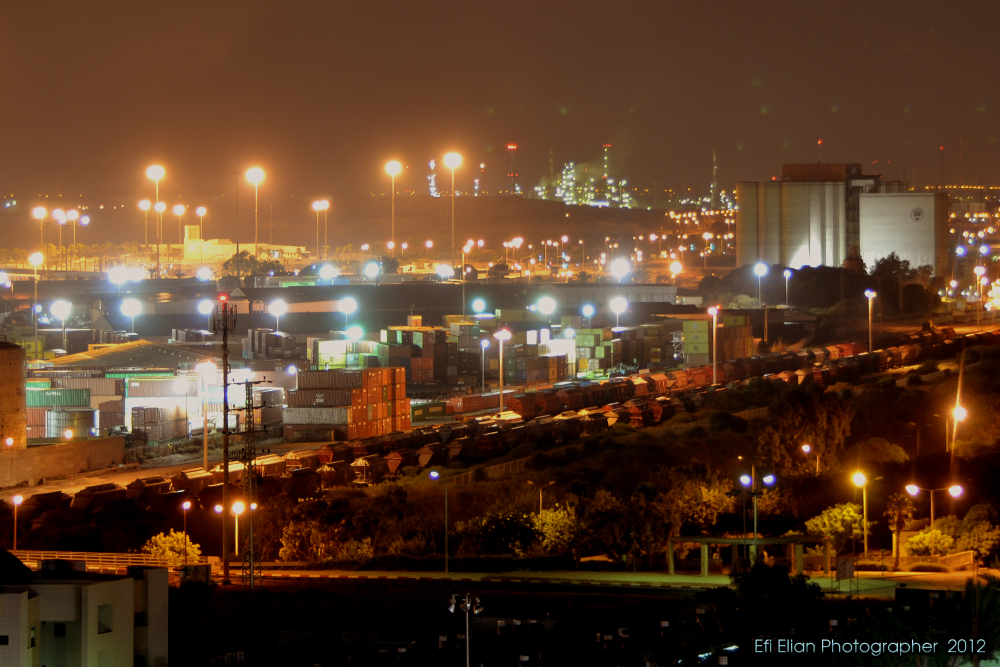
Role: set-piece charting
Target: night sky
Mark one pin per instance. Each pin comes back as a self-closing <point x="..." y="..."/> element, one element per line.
<point x="321" y="94"/>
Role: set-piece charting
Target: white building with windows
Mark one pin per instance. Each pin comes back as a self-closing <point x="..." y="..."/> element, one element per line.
<point x="63" y="616"/>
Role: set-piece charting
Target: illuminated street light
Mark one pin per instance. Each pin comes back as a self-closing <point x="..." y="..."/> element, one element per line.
<point x="393" y="167"/>
<point x="870" y="295"/>
<point x="588" y="311"/>
<point x="255" y="175"/>
<point x="16" y="500"/>
<point x="760" y="270"/>
<point x="327" y="272"/>
<point x="546" y="305"/>
<point x="39" y="213"/>
<point x="788" y="274"/>
<point x="277" y="308"/>
<point x="502" y="335"/>
<point x="131" y="308"/>
<point x="320" y="205"/>
<point x="861" y="480"/>
<point x="204" y="274"/>
<point x="453" y="161"/>
<point x="372" y="270"/>
<point x="954" y="491"/>
<point x="478" y="306"/>
<point x="206" y="307"/>
<point x="60" y="310"/>
<point x="618" y="305"/>
<point x="620" y="268"/>
<point x="444" y="271"/>
<point x="355" y="332"/>
<point x="348" y="306"/>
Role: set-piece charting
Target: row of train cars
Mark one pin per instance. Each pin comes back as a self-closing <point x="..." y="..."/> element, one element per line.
<point x="564" y="413"/>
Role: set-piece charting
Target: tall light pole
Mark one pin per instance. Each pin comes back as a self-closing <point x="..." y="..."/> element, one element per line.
<point x="130" y="308"/>
<point x="541" y="487"/>
<point x="980" y="271"/>
<point x="185" y="506"/>
<point x="453" y="161"/>
<point x="61" y="309"/>
<point x="39" y="213"/>
<point x="200" y="212"/>
<point x="714" y="312"/>
<point x="393" y="167"/>
<point x="751" y="481"/>
<point x="760" y="270"/>
<point x="144" y="206"/>
<point x="502" y="335"/>
<point x="870" y="295"/>
<point x="618" y="305"/>
<point x="484" y="344"/>
<point x="277" y="308"/>
<point x="788" y="274"/>
<point x="35" y="259"/>
<point x="255" y="175"/>
<point x="59" y="216"/>
<point x="955" y="491"/>
<point x="319" y="205"/>
<point x="155" y="173"/>
<point x="861" y="480"/>
<point x="17" y="500"/>
<point x="179" y="210"/>
<point x="468" y="604"/>
<point x="159" y="207"/>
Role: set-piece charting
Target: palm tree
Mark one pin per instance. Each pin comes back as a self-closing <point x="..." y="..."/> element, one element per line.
<point x="898" y="510"/>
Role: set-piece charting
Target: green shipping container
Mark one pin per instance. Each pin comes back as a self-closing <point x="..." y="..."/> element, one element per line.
<point x="58" y="398"/>
<point x="694" y="325"/>
<point x="425" y="411"/>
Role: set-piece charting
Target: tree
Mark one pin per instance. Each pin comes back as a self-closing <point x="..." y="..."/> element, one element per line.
<point x="309" y="540"/>
<point x="557" y="528"/>
<point x="800" y="415"/>
<point x="172" y="546"/>
<point x="984" y="599"/>
<point x="874" y="451"/>
<point x="929" y="542"/>
<point x="695" y="496"/>
<point x="841" y="522"/>
<point x="500" y="531"/>
<point x="982" y="537"/>
<point x="898" y="511"/>
<point x="244" y="264"/>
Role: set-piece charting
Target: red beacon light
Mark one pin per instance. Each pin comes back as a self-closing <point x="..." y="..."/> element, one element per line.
<point x="223" y="297"/>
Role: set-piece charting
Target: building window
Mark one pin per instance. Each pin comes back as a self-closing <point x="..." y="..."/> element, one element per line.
<point x="4" y="640"/>
<point x="32" y="645"/>
<point x="59" y="629"/>
<point x="105" y="616"/>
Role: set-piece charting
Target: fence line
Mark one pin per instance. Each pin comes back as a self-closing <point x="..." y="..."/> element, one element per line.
<point x="105" y="559"/>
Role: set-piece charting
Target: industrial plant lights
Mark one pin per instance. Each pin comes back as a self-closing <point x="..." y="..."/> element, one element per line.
<point x="478" y="306"/>
<point x="546" y="305"/>
<point x="760" y="269"/>
<point x="588" y="311"/>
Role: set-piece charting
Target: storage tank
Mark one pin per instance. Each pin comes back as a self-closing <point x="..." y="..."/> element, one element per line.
<point x="79" y="420"/>
<point x="13" y="409"/>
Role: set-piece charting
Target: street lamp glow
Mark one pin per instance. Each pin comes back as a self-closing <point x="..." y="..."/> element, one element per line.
<point x="760" y="269"/>
<point x="478" y="306"/>
<point x="155" y="172"/>
<point x="959" y="413"/>
<point x="204" y="274"/>
<point x="546" y="305"/>
<point x="371" y="270"/>
<point x="676" y="267"/>
<point x="179" y="209"/>
<point x="17" y="500"/>
<point x="60" y="309"/>
<point x="72" y="215"/>
<point x="39" y="213"/>
<point x="768" y="479"/>
<point x="355" y="332"/>
<point x="348" y="306"/>
<point x="205" y="307"/>
<point x="787" y="273"/>
<point x="327" y="272"/>
<point x="159" y="207"/>
<point x="131" y="308"/>
<point x="859" y="479"/>
<point x="484" y="343"/>
<point x="955" y="491"/>
<point x="278" y="307"/>
<point x="429" y="244"/>
<point x="200" y="211"/>
<point x="452" y="160"/>
<point x="320" y="205"/>
<point x="393" y="167"/>
<point x="145" y="205"/>
<point x="117" y="275"/>
<point x="806" y="448"/>
<point x="912" y="489"/>
<point x="620" y="268"/>
<point x="618" y="305"/>
<point x="979" y="270"/>
<point x="745" y="480"/>
<point x="713" y="311"/>
<point x="870" y="293"/>
<point x="255" y="175"/>
<point x="444" y="271"/>
<point x="239" y="507"/>
<point x="588" y="311"/>
<point x="68" y="434"/>
<point x="36" y="259"/>
<point x="960" y="251"/>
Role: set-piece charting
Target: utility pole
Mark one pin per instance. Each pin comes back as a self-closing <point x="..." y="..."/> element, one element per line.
<point x="251" y="560"/>
<point x="224" y="322"/>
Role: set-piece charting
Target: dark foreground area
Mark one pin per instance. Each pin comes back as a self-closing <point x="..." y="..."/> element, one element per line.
<point x="364" y="622"/>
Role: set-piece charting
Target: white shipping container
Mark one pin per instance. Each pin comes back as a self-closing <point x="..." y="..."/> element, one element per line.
<point x="335" y="415"/>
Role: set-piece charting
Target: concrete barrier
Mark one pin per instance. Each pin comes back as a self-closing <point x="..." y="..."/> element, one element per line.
<point x="31" y="465"/>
